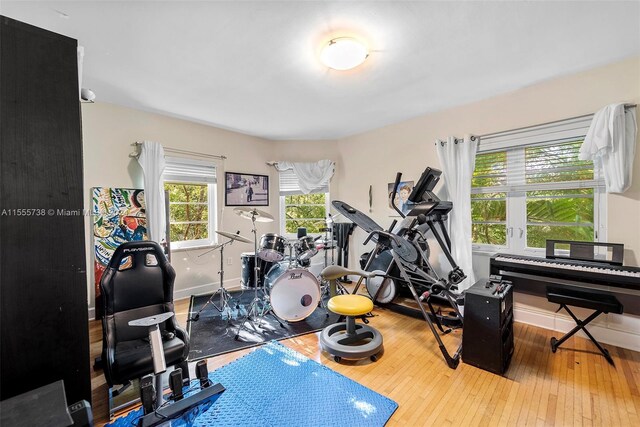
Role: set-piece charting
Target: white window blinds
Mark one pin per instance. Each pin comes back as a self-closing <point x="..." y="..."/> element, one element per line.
<point x="559" y="131"/>
<point x="543" y="157"/>
<point x="189" y="170"/>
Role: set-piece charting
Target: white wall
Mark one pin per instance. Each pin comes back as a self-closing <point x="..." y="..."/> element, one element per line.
<point x="109" y="131"/>
<point x="374" y="157"/>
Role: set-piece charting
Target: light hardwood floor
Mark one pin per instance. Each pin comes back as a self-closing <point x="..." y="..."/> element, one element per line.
<point x="575" y="386"/>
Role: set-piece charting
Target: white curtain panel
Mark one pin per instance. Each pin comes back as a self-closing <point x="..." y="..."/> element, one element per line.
<point x="152" y="161"/>
<point x="311" y="176"/>
<point x="458" y="159"/>
<point x="611" y="143"/>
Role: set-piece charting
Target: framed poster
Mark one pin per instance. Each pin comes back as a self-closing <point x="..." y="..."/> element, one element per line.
<point x="402" y="196"/>
<point x="245" y="189"/>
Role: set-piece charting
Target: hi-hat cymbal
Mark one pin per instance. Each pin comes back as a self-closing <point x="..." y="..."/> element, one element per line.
<point x="251" y="213"/>
<point x="234" y="236"/>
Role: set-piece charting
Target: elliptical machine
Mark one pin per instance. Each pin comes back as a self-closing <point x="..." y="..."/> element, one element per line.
<point x="410" y="253"/>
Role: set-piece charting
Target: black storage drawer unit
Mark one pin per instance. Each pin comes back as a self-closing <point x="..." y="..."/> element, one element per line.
<point x="487" y="339"/>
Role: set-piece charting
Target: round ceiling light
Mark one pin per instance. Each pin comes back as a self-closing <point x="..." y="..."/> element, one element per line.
<point x="343" y="53"/>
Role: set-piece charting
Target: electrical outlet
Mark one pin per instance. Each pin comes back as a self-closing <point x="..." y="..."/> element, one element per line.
<point x="229" y="261"/>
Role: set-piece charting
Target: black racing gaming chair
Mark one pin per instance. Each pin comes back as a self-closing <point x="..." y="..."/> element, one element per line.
<point x="138" y="283"/>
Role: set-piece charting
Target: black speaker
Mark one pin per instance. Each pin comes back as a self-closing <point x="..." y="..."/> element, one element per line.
<point x="487" y="338"/>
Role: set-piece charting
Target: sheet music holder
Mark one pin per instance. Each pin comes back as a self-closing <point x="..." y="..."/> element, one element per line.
<point x="585" y="251"/>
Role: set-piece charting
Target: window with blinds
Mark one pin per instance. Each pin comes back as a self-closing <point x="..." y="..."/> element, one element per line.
<point x="191" y="188"/>
<point x="524" y="194"/>
<point x="299" y="209"/>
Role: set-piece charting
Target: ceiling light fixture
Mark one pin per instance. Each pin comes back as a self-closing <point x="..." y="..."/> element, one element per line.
<point x="344" y="53"/>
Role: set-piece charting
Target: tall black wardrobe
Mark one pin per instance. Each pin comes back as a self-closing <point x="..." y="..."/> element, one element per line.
<point x="43" y="285"/>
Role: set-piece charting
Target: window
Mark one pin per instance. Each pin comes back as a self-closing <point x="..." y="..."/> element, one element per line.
<point x="301" y="210"/>
<point x="304" y="210"/>
<point x="529" y="186"/>
<point x="191" y="188"/>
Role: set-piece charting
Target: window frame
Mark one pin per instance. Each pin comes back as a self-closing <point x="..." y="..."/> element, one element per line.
<point x="283" y="206"/>
<point x="516" y="188"/>
<point x="212" y="202"/>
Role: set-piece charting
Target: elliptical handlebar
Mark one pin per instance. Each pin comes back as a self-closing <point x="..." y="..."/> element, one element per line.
<point x="394" y="193"/>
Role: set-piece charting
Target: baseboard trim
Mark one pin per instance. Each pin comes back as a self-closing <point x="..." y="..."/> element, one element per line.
<point x="563" y="323"/>
<point x="522" y="313"/>
<point x="230" y="284"/>
<point x="207" y="288"/>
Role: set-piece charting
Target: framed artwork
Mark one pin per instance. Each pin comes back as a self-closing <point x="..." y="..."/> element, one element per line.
<point x="118" y="216"/>
<point x="402" y="195"/>
<point x="246" y="189"/>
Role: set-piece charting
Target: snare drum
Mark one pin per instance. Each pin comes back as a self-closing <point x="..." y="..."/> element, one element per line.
<point x="271" y="247"/>
<point x="295" y="292"/>
<point x="305" y="248"/>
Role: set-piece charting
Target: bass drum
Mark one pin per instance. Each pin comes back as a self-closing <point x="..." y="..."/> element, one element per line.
<point x="295" y="292"/>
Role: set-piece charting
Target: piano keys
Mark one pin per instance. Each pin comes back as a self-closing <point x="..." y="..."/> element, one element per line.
<point x="532" y="275"/>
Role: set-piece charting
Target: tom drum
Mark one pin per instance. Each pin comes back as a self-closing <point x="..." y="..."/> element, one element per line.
<point x="305" y="248"/>
<point x="271" y="247"/>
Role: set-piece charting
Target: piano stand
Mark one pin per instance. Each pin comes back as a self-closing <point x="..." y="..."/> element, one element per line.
<point x="600" y="302"/>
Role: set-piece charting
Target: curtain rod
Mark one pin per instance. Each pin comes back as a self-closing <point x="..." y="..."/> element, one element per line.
<point x="456" y="140"/>
<point x="584" y="116"/>
<point x="178" y="151"/>
<point x="274" y="163"/>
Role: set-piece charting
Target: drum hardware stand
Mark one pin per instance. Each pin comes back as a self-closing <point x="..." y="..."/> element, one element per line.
<point x="325" y="287"/>
<point x="224" y="308"/>
<point x="331" y="230"/>
<point x="259" y="307"/>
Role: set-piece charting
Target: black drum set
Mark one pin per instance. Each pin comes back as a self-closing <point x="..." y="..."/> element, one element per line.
<point x="277" y="271"/>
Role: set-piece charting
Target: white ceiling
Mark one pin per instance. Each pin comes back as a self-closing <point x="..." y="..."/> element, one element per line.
<point x="253" y="66"/>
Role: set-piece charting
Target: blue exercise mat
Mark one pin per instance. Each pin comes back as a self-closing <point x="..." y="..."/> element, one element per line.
<point x="277" y="386"/>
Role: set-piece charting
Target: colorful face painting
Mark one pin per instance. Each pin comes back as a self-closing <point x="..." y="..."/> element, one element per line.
<point x="118" y="216"/>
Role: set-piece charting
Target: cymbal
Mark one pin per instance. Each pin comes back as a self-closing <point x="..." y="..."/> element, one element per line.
<point x="234" y="236"/>
<point x="257" y="214"/>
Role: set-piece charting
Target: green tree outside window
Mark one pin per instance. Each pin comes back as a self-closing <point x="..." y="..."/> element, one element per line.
<point x="305" y="210"/>
<point x="188" y="211"/>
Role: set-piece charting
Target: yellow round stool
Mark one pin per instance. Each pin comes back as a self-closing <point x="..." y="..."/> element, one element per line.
<point x="349" y="340"/>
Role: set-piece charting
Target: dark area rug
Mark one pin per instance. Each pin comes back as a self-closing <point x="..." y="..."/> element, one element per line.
<point x="212" y="335"/>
